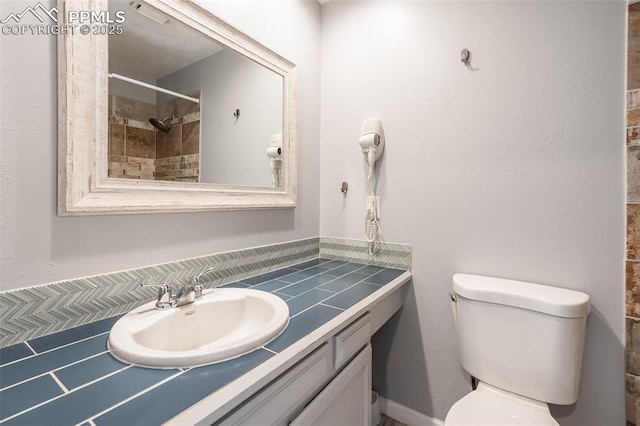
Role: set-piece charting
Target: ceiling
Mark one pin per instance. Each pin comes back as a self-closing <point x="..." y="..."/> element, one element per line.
<point x="148" y="50"/>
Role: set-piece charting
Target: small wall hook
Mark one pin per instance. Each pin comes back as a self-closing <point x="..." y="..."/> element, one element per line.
<point x="236" y="114"/>
<point x="344" y="188"/>
<point x="465" y="56"/>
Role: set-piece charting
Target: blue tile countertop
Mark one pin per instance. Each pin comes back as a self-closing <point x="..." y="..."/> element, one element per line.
<point x="70" y="378"/>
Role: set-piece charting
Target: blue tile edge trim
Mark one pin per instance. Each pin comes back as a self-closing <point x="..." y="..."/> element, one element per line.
<point x="389" y="255"/>
<point x="41" y="310"/>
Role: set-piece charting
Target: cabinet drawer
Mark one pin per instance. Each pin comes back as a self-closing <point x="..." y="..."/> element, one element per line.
<point x="278" y="401"/>
<point x="350" y="340"/>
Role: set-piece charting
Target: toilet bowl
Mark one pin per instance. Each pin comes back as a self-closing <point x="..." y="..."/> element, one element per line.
<point x="490" y="406"/>
<point x="523" y="342"/>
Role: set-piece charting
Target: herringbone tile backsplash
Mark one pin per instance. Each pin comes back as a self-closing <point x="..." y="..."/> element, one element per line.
<point x="31" y="312"/>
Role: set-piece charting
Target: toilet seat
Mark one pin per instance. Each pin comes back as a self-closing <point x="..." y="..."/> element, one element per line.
<point x="488" y="405"/>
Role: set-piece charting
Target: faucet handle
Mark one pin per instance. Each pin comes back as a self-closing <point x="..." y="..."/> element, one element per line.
<point x="198" y="288"/>
<point x="164" y="289"/>
<point x="195" y="279"/>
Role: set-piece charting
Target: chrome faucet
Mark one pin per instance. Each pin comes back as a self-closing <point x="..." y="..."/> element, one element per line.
<point x="188" y="293"/>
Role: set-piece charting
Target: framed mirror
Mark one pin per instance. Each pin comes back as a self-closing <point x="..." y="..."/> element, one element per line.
<point x="172" y="110"/>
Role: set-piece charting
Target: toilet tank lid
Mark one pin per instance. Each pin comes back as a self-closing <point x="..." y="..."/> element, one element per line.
<point x="535" y="297"/>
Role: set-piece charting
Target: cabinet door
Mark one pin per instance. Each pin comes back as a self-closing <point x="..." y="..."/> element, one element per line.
<point x="346" y="400"/>
<point x="280" y="400"/>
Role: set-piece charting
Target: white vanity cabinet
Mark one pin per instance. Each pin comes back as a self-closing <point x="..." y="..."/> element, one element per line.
<point x="330" y="386"/>
<point x="346" y="400"/>
<point x="324" y="378"/>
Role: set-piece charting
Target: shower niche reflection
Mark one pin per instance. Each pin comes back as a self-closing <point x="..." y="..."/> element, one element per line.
<point x="154" y="141"/>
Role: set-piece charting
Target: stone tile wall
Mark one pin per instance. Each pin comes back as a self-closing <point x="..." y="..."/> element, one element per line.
<point x="632" y="263"/>
<point x="633" y="54"/>
<point x="178" y="151"/>
<point x="139" y="151"/>
<point x="184" y="168"/>
<point x="132" y="139"/>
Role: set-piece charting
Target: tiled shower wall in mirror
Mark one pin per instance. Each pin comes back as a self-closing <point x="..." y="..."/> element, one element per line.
<point x="137" y="150"/>
<point x="632" y="314"/>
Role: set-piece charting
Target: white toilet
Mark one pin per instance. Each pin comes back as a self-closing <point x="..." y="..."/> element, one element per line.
<point x="523" y="342"/>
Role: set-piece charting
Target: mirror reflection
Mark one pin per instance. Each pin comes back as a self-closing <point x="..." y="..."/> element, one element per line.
<point x="185" y="108"/>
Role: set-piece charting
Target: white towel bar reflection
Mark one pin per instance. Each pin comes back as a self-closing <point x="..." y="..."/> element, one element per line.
<point x="151" y="86"/>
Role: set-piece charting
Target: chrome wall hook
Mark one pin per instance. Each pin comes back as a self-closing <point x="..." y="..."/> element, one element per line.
<point x="465" y="56"/>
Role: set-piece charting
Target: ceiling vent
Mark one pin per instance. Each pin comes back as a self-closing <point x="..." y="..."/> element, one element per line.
<point x="149" y="12"/>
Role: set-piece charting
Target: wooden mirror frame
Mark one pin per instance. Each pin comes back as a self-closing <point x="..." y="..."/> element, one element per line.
<point x="83" y="185"/>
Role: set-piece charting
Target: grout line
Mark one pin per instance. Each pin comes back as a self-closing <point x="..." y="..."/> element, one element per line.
<point x="331" y="293"/>
<point x="24" y="381"/>
<point x="142" y="392"/>
<point x="21" y="359"/>
<point x="59" y="382"/>
<point x="60" y="396"/>
<point x="54" y="370"/>
<point x="294" y="272"/>
<point x="269" y="350"/>
<point x="324" y="289"/>
<point x="320" y="287"/>
<point x="80" y="360"/>
<point x="319" y="259"/>
<point x="277" y="278"/>
<point x="338" y="276"/>
<point x="101" y="378"/>
<point x="56" y="348"/>
<point x="319" y="273"/>
<point x="332" y="307"/>
<point x="73" y="343"/>
<point x="283" y="296"/>
<point x="335" y="294"/>
<point x="312" y="306"/>
<point x="32" y="350"/>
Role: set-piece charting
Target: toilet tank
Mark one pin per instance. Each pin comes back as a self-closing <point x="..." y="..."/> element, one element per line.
<point x="521" y="337"/>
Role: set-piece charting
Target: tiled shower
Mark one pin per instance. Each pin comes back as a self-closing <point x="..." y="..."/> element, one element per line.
<point x="139" y="151"/>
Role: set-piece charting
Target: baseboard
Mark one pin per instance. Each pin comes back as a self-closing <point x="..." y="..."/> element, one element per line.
<point x="406" y="415"/>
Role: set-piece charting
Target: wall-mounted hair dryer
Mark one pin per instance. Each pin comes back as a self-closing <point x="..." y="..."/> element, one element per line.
<point x="371" y="142"/>
<point x="274" y="153"/>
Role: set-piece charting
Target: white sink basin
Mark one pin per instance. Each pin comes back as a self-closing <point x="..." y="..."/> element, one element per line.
<point x="225" y="323"/>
